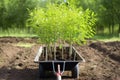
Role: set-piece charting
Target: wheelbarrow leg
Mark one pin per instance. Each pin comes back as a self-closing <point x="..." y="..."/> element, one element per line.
<point x="41" y="72"/>
<point x="75" y="72"/>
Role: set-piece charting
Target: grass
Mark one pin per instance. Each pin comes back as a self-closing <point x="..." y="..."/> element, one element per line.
<point x="16" y="32"/>
<point x="107" y="38"/>
<point x="26" y="45"/>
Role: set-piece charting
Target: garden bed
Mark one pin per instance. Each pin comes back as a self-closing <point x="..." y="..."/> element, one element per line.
<point x="102" y="61"/>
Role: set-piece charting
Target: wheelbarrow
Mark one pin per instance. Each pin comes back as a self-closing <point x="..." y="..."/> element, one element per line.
<point x="59" y="63"/>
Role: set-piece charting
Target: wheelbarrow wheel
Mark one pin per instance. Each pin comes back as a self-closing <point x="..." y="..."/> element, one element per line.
<point x="75" y="72"/>
<point x="41" y="72"/>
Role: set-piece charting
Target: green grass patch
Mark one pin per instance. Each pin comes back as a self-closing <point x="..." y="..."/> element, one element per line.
<point x="16" y="32"/>
<point x="26" y="45"/>
<point x="107" y="38"/>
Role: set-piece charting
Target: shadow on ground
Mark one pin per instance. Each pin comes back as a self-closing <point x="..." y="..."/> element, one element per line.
<point x="7" y="73"/>
<point x="18" y="74"/>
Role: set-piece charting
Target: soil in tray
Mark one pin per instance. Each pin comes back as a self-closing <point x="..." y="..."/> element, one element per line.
<point x="102" y="61"/>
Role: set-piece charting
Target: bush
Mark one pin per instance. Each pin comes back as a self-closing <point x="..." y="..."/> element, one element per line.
<point x="61" y="22"/>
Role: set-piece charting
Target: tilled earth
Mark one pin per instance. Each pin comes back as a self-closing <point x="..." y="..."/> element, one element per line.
<point x="16" y="62"/>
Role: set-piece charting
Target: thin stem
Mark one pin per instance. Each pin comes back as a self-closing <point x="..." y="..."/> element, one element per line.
<point x="62" y="52"/>
<point x="70" y="50"/>
<point x="54" y="51"/>
<point x="74" y="56"/>
<point x="46" y="55"/>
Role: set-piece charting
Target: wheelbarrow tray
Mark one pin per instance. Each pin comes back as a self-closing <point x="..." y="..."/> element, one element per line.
<point x="52" y="65"/>
<point x="48" y="65"/>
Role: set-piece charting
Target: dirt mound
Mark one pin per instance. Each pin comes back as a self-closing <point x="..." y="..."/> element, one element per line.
<point x="111" y="49"/>
<point x="16" y="63"/>
<point x="102" y="61"/>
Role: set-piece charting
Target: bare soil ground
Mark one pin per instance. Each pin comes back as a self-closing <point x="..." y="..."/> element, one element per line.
<point x="16" y="63"/>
